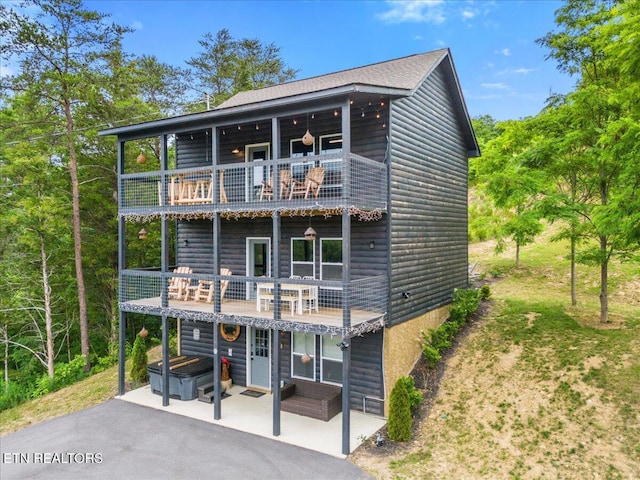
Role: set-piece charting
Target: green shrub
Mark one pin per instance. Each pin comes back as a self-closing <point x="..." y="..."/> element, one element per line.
<point x="139" y="361"/>
<point x="399" y="423"/>
<point x="485" y="292"/>
<point x="415" y="397"/>
<point x="13" y="395"/>
<point x="102" y="363"/>
<point x="437" y="340"/>
<point x="431" y="355"/>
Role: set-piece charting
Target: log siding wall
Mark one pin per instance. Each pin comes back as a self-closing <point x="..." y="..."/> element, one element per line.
<point x="428" y="191"/>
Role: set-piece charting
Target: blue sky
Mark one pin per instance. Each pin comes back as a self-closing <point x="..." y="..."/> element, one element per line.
<point x="502" y="70"/>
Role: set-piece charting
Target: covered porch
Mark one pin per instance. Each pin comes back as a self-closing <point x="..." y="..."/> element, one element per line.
<point x="255" y="416"/>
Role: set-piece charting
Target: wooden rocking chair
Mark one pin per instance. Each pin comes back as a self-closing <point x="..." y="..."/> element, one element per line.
<point x="267" y="187"/>
<point x="204" y="291"/>
<point x="179" y="286"/>
<point x="311" y="184"/>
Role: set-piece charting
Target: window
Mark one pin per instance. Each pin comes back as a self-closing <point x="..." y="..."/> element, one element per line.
<point x="299" y="149"/>
<point x="303" y="257"/>
<point x="331" y="360"/>
<point x="331" y="259"/>
<point x="331" y="143"/>
<point x="303" y="355"/>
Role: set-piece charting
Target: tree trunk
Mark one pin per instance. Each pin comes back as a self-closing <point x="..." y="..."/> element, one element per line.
<point x="77" y="239"/>
<point x="48" y="318"/>
<point x="574" y="194"/>
<point x="604" y="295"/>
<point x="5" y="334"/>
<point x="517" y="254"/>
<point x="574" y="297"/>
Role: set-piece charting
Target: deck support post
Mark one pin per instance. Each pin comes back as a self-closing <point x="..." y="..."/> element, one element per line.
<point x="275" y="339"/>
<point x="122" y="332"/>
<point x="217" y="308"/>
<point x="346" y="324"/>
<point x="164" y="268"/>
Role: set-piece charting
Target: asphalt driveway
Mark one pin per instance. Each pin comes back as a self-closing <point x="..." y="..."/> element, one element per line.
<point x="120" y="440"/>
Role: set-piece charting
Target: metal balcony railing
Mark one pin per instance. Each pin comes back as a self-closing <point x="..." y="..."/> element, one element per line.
<point x="305" y="304"/>
<point x="321" y="182"/>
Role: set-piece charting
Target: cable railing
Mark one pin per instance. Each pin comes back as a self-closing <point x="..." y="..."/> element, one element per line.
<point x="320" y="182"/>
<point x="253" y="299"/>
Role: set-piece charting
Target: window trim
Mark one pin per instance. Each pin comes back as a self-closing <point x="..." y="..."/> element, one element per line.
<point x="322" y="358"/>
<point x="329" y="263"/>
<point x="313" y="256"/>
<point x="295" y="355"/>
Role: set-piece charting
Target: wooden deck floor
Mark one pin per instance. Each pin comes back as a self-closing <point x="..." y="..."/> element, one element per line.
<point x="247" y="308"/>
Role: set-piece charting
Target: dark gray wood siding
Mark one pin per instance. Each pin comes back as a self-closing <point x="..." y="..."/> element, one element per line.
<point x="366" y="360"/>
<point x="193" y="149"/>
<point x="428" y="201"/>
<point x="195" y="243"/>
<point x="204" y="347"/>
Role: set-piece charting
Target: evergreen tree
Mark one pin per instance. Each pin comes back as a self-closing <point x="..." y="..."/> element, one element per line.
<point x="399" y="423"/>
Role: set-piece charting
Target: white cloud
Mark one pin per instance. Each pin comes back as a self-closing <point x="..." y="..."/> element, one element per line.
<point x="505" y="51"/>
<point x="413" y="11"/>
<point x="137" y="25"/>
<point x="468" y="14"/>
<point x="524" y="71"/>
<point x="494" y="86"/>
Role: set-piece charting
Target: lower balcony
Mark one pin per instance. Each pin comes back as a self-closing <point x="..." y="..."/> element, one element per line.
<point x="305" y="305"/>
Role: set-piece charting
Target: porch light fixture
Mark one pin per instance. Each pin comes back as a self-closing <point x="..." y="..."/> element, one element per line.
<point x="372" y="244"/>
<point x="310" y="234"/>
<point x="235" y="150"/>
<point x="142" y="234"/>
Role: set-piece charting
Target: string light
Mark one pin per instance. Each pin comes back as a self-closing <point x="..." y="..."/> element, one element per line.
<point x="358" y="330"/>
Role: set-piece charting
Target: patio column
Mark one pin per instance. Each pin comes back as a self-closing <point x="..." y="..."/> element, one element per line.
<point x="346" y="325"/>
<point x="164" y="267"/>
<point x="275" y="340"/>
<point x="122" y="333"/>
<point x="217" y="308"/>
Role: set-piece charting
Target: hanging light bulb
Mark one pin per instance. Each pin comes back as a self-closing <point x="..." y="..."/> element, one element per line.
<point x="141" y="158"/>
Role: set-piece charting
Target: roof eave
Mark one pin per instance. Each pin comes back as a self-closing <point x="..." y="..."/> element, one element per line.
<point x="218" y="115"/>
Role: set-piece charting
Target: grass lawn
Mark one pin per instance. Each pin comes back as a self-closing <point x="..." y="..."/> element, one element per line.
<point x="539" y="389"/>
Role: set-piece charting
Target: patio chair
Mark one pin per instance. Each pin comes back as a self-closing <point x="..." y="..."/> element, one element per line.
<point x="179" y="286"/>
<point x="223" y="193"/>
<point x="311" y="184"/>
<point x="204" y="291"/>
<point x="310" y="298"/>
<point x="266" y="192"/>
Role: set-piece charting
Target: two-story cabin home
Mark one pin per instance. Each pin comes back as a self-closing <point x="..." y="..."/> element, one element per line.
<point x="307" y="231"/>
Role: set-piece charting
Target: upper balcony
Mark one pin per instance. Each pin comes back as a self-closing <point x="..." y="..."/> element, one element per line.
<point x="323" y="183"/>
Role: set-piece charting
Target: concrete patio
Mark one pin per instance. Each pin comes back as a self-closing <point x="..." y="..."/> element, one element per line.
<point x="254" y="415"/>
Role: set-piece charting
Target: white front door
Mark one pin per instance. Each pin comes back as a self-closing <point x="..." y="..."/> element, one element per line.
<point x="259" y="360"/>
<point x="256" y="153"/>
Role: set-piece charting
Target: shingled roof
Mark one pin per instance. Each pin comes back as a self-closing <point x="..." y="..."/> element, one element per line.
<point x="400" y="74"/>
